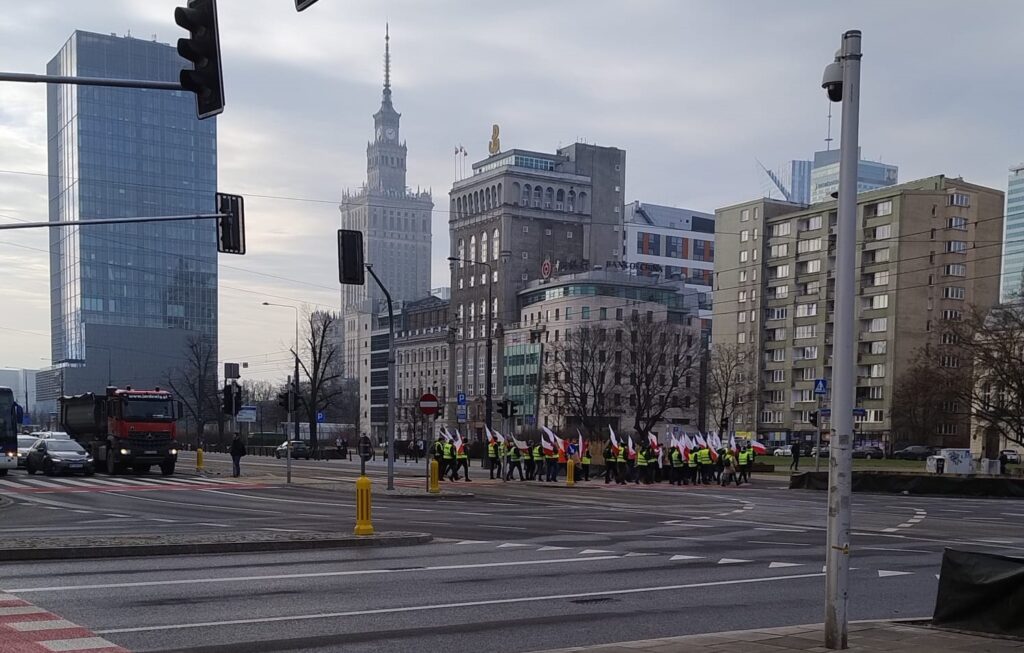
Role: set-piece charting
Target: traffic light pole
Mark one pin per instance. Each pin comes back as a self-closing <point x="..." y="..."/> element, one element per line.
<point x="287" y="444"/>
<point x="391" y="380"/>
<point x="88" y="222"/>
<point x="91" y="81"/>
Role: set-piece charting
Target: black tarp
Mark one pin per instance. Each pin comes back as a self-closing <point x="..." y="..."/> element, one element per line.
<point x="981" y="592"/>
<point x="895" y="482"/>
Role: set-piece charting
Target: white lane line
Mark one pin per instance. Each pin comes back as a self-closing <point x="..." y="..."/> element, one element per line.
<point x="165" y="521"/>
<point x="777" y="543"/>
<point x="217" y="492"/>
<point x="319" y="574"/>
<point x="889" y="530"/>
<point x="779" y="565"/>
<point x="42" y="483"/>
<point x="477" y="514"/>
<point x="417" y="509"/>
<point x="882" y="573"/>
<point x="782" y="530"/>
<point x="76" y="644"/>
<point x="732" y="561"/>
<point x="47" y="624"/>
<point x="71" y="481"/>
<point x="609" y="521"/>
<point x="504" y="528"/>
<point x="531" y="517"/>
<point x="449" y="606"/>
<point x="1012" y="514"/>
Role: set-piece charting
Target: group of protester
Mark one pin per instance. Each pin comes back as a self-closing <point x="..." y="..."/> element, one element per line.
<point x="689" y="460"/>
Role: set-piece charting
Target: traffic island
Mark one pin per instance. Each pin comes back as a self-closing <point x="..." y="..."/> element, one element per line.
<point x="74" y="548"/>
<point x="909" y="483"/>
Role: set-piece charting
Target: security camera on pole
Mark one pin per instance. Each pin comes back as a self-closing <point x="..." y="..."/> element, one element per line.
<point x="841" y="82"/>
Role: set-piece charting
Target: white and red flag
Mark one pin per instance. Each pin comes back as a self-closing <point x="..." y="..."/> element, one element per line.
<point x="758" y="447"/>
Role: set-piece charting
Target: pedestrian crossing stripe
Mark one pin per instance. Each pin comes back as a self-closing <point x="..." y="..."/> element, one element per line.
<point x="57" y="484"/>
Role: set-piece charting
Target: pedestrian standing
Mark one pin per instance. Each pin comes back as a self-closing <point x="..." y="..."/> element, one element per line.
<point x="621" y="470"/>
<point x="795" y="464"/>
<point x="585" y="463"/>
<point x="746" y="459"/>
<point x="237" y="451"/>
<point x="676" y="459"/>
<point x="609" y="462"/>
<point x="552" y="461"/>
<point x="492" y="456"/>
<point x="641" y="465"/>
<point x="515" y="463"/>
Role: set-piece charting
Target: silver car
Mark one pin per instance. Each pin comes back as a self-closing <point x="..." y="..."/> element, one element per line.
<point x="25" y="443"/>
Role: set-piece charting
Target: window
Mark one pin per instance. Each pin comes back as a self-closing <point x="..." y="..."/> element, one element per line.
<point x="947" y="429"/>
<point x="960" y="224"/>
<point x="959" y="199"/>
<point x="741" y="337"/>
<point x="778" y="376"/>
<point x="880" y="278"/>
<point x="810" y="224"/>
<point x="781" y="292"/>
<point x="744" y="255"/>
<point x="776" y="314"/>
<point x="742" y="296"/>
<point x="876" y="415"/>
<point x="806" y="310"/>
<point x="745" y="215"/>
<point x="808" y="267"/>
<point x="875" y="392"/>
<point x="955" y="270"/>
<point x="806" y="331"/>
<point x="953" y="292"/>
<point x="744" y="236"/>
<point x="951" y="361"/>
<point x="809" y="374"/>
<point x="526" y="229"/>
<point x="778" y="355"/>
<point x="878" y="325"/>
<point x="741" y="316"/>
<point x="952" y="315"/>
<point x="585" y="313"/>
<point x="568" y="235"/>
<point x="877" y="255"/>
<point x="878" y="371"/>
<point x="875" y="302"/>
<point x="950" y="338"/>
<point x="743" y="276"/>
<point x="779" y="272"/>
<point x="803" y="395"/>
<point x="780" y="250"/>
<point x="957" y="246"/>
<point x="777" y="335"/>
<point x="808" y="245"/>
<point x="883" y="231"/>
<point x="776" y="396"/>
<point x="781" y="229"/>
<point x="811" y="288"/>
<point x="805" y="353"/>
<point x="603" y="313"/>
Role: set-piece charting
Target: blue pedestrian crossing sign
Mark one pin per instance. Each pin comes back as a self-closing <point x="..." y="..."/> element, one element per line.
<point x="821" y="387"/>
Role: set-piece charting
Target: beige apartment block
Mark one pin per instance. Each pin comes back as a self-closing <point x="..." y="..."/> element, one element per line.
<point x="926" y="251"/>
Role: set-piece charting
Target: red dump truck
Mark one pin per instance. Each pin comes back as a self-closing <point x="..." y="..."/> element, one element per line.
<point x="125" y="428"/>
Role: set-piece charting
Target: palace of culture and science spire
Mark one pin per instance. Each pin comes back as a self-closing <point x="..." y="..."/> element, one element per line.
<point x="394" y="219"/>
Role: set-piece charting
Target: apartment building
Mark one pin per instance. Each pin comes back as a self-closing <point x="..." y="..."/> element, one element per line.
<point x="926" y="251"/>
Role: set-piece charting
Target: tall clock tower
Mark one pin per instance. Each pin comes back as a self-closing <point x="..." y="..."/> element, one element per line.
<point x="385" y="156"/>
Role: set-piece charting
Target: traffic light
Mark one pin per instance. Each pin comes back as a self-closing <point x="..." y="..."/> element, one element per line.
<point x="814" y="418"/>
<point x="284" y="400"/>
<point x="232" y="399"/>
<point x="725" y="424"/>
<point x="512" y="410"/>
<point x="503" y="409"/>
<point x="350" y="257"/>
<point x="203" y="50"/>
<point x="231" y="226"/>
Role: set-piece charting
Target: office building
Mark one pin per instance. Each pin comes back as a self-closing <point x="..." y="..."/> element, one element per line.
<point x="825" y="175"/>
<point x="23" y="383"/>
<point x="522" y="216"/>
<point x="127" y="299"/>
<point x="916" y="269"/>
<point x="395" y="221"/>
<point x="666" y="243"/>
<point x="1012" y="277"/>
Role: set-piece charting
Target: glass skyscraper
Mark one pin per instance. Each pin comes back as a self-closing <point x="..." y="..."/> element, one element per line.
<point x="825" y="175"/>
<point x="124" y="298"/>
<point x="1012" y="279"/>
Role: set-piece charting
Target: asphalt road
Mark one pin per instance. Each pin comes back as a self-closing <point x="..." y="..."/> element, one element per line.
<point x="516" y="567"/>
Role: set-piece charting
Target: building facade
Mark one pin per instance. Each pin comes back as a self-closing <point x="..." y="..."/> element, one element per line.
<point x="916" y="269"/>
<point x="395" y="221"/>
<point x="824" y="179"/>
<point x="1012" y="278"/>
<point x="667" y="243"/>
<point x="539" y="349"/>
<point x="519" y="217"/>
<point x="126" y="299"/>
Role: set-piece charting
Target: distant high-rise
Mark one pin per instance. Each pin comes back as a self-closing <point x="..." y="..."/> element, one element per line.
<point x="800" y="181"/>
<point x="825" y="175"/>
<point x="125" y="299"/>
<point x="394" y="219"/>
<point x="1012" y="278"/>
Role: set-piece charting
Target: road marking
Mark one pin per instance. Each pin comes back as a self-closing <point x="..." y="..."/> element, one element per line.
<point x="781" y="530"/>
<point x="890" y="530"/>
<point x="319" y="574"/>
<point x="510" y="545"/>
<point x="592" y="551"/>
<point x="40" y="483"/>
<point x="46" y="624"/>
<point x="638" y="555"/>
<point x="882" y="573"/>
<point x="468" y="604"/>
<point x="1012" y="514"/>
<point x="580" y="532"/>
<point x="10" y="611"/>
<point x="777" y="543"/>
<point x="553" y="548"/>
<point x="682" y="557"/>
<point x="504" y="528"/>
<point x="76" y="644"/>
<point x="731" y="561"/>
<point x="162" y="520"/>
<point x="531" y="517"/>
<point x="997" y="541"/>
<point x="609" y="521"/>
<point x="882" y="548"/>
<point x="418" y="509"/>
<point x="478" y="514"/>
<point x="779" y="565"/>
<point x="472" y="542"/>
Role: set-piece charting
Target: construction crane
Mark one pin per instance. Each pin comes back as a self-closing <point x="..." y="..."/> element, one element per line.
<point x="778" y="182"/>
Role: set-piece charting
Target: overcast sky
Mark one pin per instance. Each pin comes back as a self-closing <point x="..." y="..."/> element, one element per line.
<point x="693" y="91"/>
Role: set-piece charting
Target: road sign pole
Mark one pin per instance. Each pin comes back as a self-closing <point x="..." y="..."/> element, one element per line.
<point x="817" y="439"/>
<point x="392" y="399"/>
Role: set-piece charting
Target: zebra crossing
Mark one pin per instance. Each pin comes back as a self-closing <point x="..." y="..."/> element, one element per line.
<point x="60" y="484"/>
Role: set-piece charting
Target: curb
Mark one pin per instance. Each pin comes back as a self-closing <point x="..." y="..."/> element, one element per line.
<point x="385" y="539"/>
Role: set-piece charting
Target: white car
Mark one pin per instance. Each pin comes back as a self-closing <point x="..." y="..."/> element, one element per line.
<point x="783" y="451"/>
<point x="1012" y="456"/>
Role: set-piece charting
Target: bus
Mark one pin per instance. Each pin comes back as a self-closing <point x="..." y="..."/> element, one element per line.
<point x="10" y="417"/>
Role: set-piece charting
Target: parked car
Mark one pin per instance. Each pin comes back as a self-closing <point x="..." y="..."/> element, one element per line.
<point x="58" y="456"/>
<point x="868" y="452"/>
<point x="25" y="443"/>
<point x="1012" y="456"/>
<point x="914" y="452"/>
<point x="299" y="449"/>
<point x="822" y="451"/>
<point x="783" y="451"/>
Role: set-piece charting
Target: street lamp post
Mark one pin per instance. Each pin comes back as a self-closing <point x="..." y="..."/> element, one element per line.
<point x="293" y="412"/>
<point x="842" y="82"/>
<point x="488" y="387"/>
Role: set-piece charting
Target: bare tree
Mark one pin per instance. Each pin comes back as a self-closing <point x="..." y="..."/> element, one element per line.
<point x="658" y="356"/>
<point x="993" y="342"/>
<point x="923" y="397"/>
<point x="320" y="360"/>
<point x="729" y="383"/>
<point x="194" y="382"/>
<point x="263" y="395"/>
<point x="579" y="373"/>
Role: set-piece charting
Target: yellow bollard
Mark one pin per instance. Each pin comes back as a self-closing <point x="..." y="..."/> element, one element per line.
<point x="364" y="523"/>
<point x="435" y="488"/>
<point x="570" y="473"/>
<point x="199" y="459"/>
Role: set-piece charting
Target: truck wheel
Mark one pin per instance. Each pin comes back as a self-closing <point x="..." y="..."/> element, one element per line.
<point x="111" y="465"/>
<point x="167" y="468"/>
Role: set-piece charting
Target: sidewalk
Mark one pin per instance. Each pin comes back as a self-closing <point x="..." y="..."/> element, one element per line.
<point x="864" y="637"/>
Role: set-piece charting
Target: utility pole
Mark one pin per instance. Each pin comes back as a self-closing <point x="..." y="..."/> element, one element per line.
<point x="391" y="379"/>
<point x="842" y="82"/>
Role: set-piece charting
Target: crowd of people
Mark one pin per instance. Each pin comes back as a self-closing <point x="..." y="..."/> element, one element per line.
<point x="686" y="462"/>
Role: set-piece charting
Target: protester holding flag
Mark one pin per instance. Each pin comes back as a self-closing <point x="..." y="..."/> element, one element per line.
<point x="584" y="451"/>
<point x="492" y="453"/>
<point x="538" y="459"/>
<point x="461" y="457"/>
<point x="515" y="457"/>
<point x="609" y="462"/>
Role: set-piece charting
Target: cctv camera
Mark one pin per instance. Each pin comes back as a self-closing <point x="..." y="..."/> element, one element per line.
<point x="832" y="81"/>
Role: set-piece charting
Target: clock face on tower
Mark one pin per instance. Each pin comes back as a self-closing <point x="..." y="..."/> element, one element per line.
<point x="390" y="133"/>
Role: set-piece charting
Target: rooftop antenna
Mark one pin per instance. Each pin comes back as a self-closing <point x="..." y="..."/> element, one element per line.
<point x="828" y="130"/>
